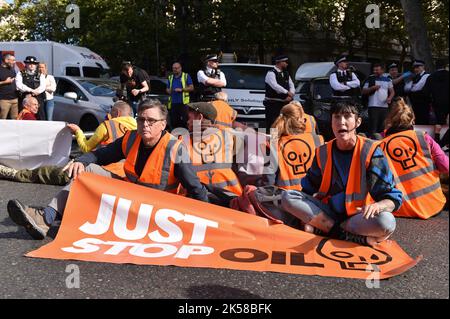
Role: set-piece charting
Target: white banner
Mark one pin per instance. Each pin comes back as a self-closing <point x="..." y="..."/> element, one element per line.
<point x="31" y="144"/>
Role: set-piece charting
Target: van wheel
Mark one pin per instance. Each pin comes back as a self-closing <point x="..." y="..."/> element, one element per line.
<point x="88" y="123"/>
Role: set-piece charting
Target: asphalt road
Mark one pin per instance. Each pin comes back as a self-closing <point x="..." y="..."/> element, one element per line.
<point x="22" y="277"/>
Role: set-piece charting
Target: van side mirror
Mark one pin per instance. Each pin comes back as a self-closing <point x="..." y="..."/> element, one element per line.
<point x="71" y="95"/>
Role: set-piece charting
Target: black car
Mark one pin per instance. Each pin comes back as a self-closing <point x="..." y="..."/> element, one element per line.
<point x="318" y="99"/>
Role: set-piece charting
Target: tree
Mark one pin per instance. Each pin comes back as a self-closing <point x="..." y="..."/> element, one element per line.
<point x="417" y="31"/>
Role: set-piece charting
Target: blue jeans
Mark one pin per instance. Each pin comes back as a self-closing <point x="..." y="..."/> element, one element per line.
<point x="305" y="207"/>
<point x="49" y="107"/>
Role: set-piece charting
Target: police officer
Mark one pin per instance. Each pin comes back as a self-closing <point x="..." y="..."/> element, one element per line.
<point x="210" y="80"/>
<point x="30" y="81"/>
<point x="398" y="80"/>
<point x="419" y="94"/>
<point x="344" y="82"/>
<point x="280" y="90"/>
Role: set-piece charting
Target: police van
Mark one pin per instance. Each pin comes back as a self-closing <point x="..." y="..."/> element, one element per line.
<point x="61" y="59"/>
<point x="246" y="91"/>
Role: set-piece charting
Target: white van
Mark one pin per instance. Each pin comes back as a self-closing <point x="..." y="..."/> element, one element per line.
<point x="246" y="90"/>
<point x="61" y="59"/>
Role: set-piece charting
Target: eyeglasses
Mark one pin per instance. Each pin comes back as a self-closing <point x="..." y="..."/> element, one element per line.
<point x="150" y="122"/>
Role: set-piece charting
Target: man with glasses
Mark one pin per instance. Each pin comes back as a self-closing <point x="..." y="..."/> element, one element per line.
<point x="210" y="80"/>
<point x="153" y="158"/>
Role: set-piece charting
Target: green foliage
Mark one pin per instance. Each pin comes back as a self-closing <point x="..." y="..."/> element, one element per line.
<point x="130" y="29"/>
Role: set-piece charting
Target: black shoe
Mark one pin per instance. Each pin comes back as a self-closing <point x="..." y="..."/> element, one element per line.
<point x="359" y="239"/>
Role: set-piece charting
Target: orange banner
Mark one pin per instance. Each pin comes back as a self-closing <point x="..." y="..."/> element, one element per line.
<point x="112" y="221"/>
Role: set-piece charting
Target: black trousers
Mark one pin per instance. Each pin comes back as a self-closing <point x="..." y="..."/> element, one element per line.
<point x="272" y="109"/>
<point x="178" y="115"/>
<point x="377" y="115"/>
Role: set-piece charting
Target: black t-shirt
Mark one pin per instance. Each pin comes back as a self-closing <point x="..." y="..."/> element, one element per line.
<point x="7" y="91"/>
<point x="133" y="82"/>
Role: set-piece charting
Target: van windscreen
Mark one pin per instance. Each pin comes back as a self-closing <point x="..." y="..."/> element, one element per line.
<point x="245" y="77"/>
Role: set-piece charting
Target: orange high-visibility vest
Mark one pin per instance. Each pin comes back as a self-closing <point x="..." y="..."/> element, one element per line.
<point x="158" y="171"/>
<point x="311" y="124"/>
<point x="356" y="192"/>
<point x="409" y="157"/>
<point x="211" y="156"/>
<point x="115" y="130"/>
<point x="295" y="157"/>
<point x="225" y="114"/>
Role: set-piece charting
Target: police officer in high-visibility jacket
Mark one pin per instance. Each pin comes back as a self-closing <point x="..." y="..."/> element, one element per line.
<point x="416" y="161"/>
<point x="211" y="149"/>
<point x="295" y="148"/>
<point x="348" y="193"/>
<point x="179" y="86"/>
<point x="153" y="158"/>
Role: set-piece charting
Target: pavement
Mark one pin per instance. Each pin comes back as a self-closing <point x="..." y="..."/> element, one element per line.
<point x="23" y="277"/>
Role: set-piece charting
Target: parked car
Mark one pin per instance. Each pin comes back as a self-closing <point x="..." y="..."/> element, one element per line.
<point x="315" y="93"/>
<point x="83" y="101"/>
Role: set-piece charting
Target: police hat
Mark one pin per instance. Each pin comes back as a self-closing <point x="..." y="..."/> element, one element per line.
<point x="342" y="58"/>
<point x="392" y="65"/>
<point x="418" y="63"/>
<point x="281" y="58"/>
<point x="205" y="108"/>
<point x="31" y="60"/>
<point x="211" y="57"/>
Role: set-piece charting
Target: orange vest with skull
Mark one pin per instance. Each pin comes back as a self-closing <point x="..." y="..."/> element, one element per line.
<point x="211" y="155"/>
<point x="159" y="169"/>
<point x="356" y="192"/>
<point x="415" y="174"/>
<point x="295" y="156"/>
<point x="310" y="124"/>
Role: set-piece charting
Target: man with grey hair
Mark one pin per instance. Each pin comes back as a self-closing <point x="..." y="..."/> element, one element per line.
<point x="149" y="161"/>
<point x="30" y="109"/>
<point x="8" y="91"/>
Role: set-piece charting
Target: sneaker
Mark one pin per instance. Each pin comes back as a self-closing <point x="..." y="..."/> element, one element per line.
<point x="359" y="239"/>
<point x="32" y="218"/>
<point x="313" y="230"/>
<point x="7" y="172"/>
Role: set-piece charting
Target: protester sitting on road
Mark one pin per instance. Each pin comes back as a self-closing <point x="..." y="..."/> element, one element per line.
<point x="109" y="131"/>
<point x="148" y="161"/>
<point x="416" y="161"/>
<point x="295" y="148"/>
<point x="309" y="120"/>
<point x="348" y="193"/>
<point x="226" y="115"/>
<point x="30" y="109"/>
<point x="121" y="120"/>
<point x="211" y="149"/>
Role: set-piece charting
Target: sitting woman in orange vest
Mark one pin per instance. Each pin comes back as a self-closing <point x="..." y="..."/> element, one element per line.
<point x="416" y="161"/>
<point x="309" y="120"/>
<point x="30" y="109"/>
<point x="349" y="192"/>
<point x="295" y="148"/>
<point x="211" y="149"/>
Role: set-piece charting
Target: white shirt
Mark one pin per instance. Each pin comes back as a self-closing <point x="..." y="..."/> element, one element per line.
<point x="379" y="97"/>
<point x="337" y="86"/>
<point x="271" y="79"/>
<point x="24" y="88"/>
<point x="50" y="87"/>
<point x="202" y="77"/>
<point x="411" y="87"/>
